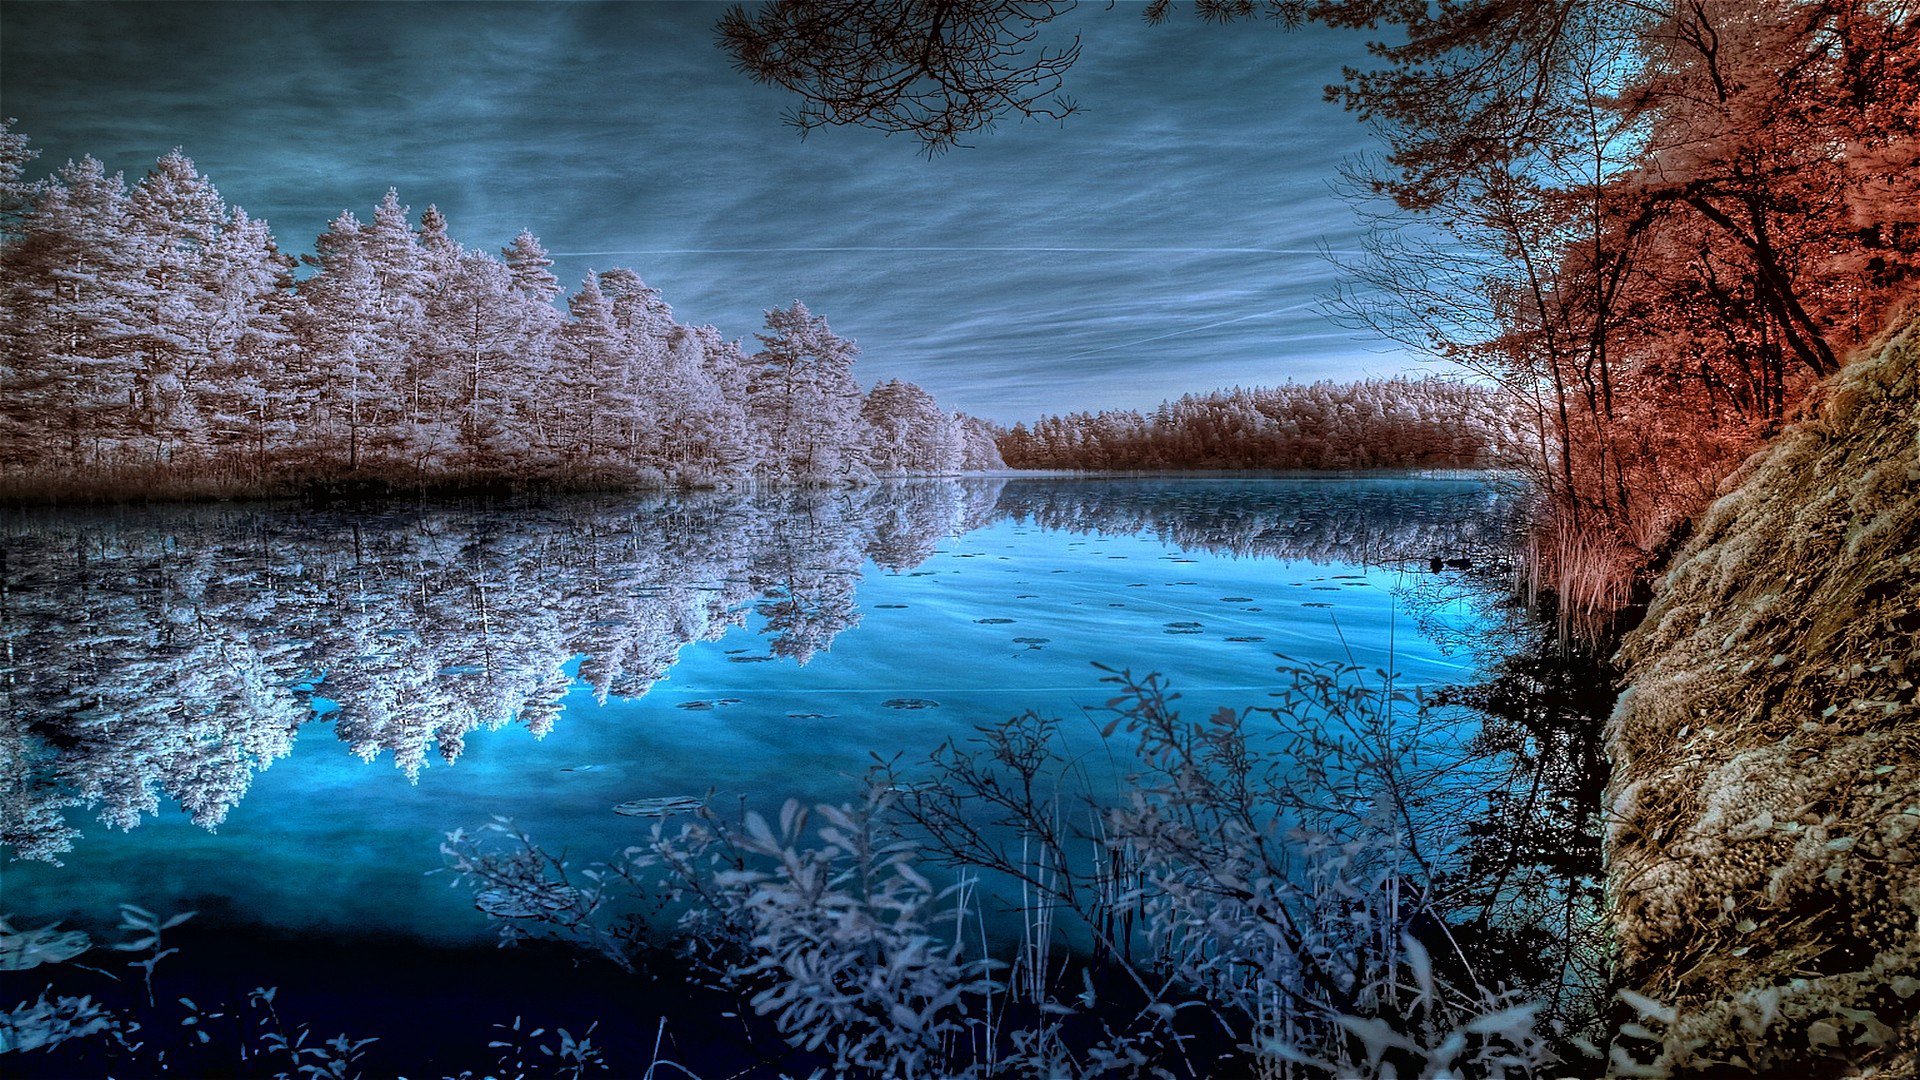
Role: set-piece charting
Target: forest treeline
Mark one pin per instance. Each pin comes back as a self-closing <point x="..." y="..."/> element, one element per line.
<point x="1368" y="424"/>
<point x="153" y="336"/>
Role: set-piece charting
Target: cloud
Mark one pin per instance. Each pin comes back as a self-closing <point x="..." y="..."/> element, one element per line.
<point x="1167" y="239"/>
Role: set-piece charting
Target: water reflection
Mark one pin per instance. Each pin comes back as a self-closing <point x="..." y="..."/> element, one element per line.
<point x="1296" y="520"/>
<point x="172" y="653"/>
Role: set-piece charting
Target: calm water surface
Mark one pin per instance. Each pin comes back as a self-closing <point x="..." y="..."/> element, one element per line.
<point x="274" y="714"/>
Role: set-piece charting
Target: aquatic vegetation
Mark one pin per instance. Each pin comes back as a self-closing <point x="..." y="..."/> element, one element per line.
<point x="660" y="807"/>
<point x="124" y="1031"/>
<point x="1272" y="889"/>
<point x="24" y="949"/>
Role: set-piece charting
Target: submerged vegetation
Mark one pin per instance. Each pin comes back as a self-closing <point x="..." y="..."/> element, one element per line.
<point x="1277" y="890"/>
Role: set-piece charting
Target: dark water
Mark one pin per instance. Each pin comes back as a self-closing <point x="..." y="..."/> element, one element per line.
<point x="272" y="715"/>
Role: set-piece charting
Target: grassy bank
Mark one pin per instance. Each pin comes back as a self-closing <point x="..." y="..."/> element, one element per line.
<point x="1766" y="793"/>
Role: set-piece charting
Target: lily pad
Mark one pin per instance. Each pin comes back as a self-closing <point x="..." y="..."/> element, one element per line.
<point x="659" y="807"/>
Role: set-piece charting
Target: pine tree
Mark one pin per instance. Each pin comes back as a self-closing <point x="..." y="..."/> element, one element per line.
<point x="588" y="375"/>
<point x="68" y="378"/>
<point x="439" y="246"/>
<point x="531" y="268"/>
<point x="159" y="326"/>
<point x="804" y="399"/>
<point x="731" y="449"/>
<point x="16" y="194"/>
<point x="341" y="341"/>
<point x="908" y="432"/>
<point x="475" y="339"/>
<point x="175" y="217"/>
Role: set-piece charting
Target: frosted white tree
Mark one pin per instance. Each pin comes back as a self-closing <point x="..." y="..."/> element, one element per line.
<point x="249" y="393"/>
<point x="439" y="245"/>
<point x="16" y="193"/>
<point x="531" y="268"/>
<point x="909" y="431"/>
<point x="67" y="284"/>
<point x="589" y="378"/>
<point x="158" y="337"/>
<point x="732" y="447"/>
<point x="341" y="336"/>
<point x="804" y="398"/>
<point x="482" y="346"/>
<point x="979" y="444"/>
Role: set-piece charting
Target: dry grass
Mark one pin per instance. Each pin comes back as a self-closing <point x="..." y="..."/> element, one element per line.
<point x="1588" y="574"/>
<point x="1766" y="796"/>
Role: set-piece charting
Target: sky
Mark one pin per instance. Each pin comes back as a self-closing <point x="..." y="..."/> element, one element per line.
<point x="1169" y="238"/>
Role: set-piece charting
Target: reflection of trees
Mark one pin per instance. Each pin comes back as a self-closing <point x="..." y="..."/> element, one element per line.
<point x="172" y="653"/>
<point x="807" y="586"/>
<point x="1532" y="874"/>
<point x="1364" y="523"/>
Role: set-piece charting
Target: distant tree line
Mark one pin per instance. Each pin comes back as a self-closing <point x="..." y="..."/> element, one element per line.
<point x="153" y="333"/>
<point x="1372" y="423"/>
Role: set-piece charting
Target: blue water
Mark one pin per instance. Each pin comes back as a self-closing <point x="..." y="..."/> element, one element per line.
<point x="275" y="714"/>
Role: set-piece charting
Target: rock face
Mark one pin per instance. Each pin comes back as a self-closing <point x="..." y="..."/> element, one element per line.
<point x="1764" y="844"/>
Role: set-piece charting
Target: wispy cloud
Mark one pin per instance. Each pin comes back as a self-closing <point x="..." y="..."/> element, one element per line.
<point x="1169" y="239"/>
<point x="1289" y="309"/>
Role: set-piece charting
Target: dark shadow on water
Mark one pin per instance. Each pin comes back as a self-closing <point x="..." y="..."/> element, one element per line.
<point x="434" y="1010"/>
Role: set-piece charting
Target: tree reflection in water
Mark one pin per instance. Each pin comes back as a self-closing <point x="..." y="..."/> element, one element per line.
<point x="172" y="652"/>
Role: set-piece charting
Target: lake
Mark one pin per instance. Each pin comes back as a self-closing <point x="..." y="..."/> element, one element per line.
<point x="273" y="714"/>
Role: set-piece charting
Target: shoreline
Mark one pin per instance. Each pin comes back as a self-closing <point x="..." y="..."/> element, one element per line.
<point x="374" y="491"/>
